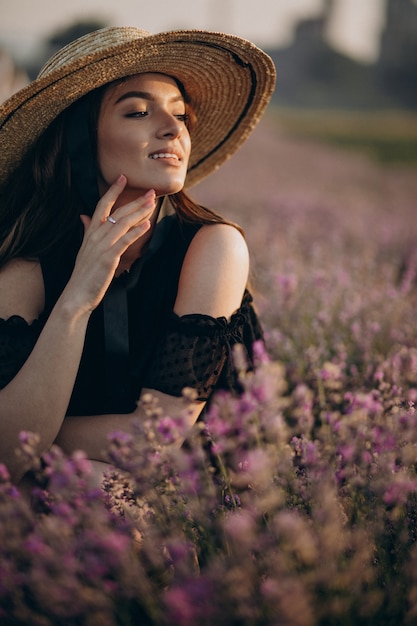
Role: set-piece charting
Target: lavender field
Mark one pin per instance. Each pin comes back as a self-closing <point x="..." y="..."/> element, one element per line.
<point x="296" y="504"/>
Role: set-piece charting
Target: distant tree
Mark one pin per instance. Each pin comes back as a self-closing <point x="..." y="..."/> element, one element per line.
<point x="60" y="38"/>
<point x="73" y="31"/>
<point x="12" y="77"/>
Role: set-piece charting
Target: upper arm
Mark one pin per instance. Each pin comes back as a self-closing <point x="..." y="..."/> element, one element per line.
<point x="21" y="290"/>
<point x="214" y="272"/>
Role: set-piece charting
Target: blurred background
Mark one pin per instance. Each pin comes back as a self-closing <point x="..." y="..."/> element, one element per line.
<point x="330" y="54"/>
<point x="343" y="53"/>
<point x="344" y="56"/>
<point x="341" y="131"/>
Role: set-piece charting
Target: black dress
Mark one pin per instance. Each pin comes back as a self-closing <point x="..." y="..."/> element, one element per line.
<point x="134" y="339"/>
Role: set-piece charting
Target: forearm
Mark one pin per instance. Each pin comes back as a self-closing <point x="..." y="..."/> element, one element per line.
<point x="37" y="398"/>
<point x="91" y="433"/>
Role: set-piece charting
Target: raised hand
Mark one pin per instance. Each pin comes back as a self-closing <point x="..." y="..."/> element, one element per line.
<point x="107" y="236"/>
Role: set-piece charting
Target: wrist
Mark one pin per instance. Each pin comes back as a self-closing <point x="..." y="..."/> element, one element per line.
<point x="71" y="311"/>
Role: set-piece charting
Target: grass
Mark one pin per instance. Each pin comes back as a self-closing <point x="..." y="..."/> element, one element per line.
<point x="390" y="137"/>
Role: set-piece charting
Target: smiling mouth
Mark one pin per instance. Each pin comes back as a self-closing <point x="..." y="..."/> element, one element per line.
<point x="165" y="155"/>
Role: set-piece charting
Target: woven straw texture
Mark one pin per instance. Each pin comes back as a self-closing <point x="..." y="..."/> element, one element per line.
<point x="229" y="80"/>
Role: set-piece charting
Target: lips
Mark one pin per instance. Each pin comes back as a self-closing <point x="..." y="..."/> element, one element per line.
<point x="165" y="155"/>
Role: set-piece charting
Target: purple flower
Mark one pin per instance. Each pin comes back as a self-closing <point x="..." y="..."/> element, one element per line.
<point x="399" y="490"/>
<point x="190" y="603"/>
<point x="35" y="545"/>
<point x="168" y="429"/>
<point x="383" y="440"/>
<point x="4" y="474"/>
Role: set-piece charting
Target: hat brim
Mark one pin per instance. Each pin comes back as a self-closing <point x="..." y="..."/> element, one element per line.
<point x="228" y="79"/>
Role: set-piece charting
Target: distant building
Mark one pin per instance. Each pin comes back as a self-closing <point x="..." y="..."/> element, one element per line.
<point x="312" y="74"/>
<point x="396" y="69"/>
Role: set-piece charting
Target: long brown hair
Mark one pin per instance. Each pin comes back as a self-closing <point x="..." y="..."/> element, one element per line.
<point x="40" y="205"/>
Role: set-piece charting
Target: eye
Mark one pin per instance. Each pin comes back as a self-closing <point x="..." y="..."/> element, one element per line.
<point x="137" y="114"/>
<point x="183" y="117"/>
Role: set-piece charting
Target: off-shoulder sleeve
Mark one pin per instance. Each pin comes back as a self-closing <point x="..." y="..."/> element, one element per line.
<point x="17" y="339"/>
<point x="196" y="351"/>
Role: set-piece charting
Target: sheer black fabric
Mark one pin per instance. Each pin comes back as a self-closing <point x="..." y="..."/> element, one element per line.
<point x="197" y="351"/>
<point x="166" y="352"/>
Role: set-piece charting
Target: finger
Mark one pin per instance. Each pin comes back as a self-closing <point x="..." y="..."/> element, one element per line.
<point x="106" y="203"/>
<point x="120" y="223"/>
<point x="141" y="207"/>
<point x="121" y="229"/>
<point x="136" y="232"/>
<point x="86" y="221"/>
<point x="122" y="243"/>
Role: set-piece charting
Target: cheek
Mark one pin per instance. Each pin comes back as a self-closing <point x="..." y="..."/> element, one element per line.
<point x="110" y="149"/>
<point x="102" y="149"/>
<point x="187" y="146"/>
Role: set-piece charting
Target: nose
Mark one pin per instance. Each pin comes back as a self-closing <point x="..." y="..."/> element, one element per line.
<point x="169" y="125"/>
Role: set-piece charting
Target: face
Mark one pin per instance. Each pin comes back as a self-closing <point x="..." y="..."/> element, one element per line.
<point x="142" y="133"/>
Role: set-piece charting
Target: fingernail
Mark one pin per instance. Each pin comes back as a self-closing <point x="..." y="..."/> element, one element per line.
<point x="150" y="193"/>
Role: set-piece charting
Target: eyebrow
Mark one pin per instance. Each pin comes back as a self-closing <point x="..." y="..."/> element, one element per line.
<point x="145" y="95"/>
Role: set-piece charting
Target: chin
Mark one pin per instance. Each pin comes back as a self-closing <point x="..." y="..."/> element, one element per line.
<point x="168" y="190"/>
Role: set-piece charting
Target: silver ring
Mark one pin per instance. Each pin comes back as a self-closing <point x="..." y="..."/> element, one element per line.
<point x="110" y="219"/>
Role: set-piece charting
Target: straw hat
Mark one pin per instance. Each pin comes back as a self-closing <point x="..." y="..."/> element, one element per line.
<point x="229" y="80"/>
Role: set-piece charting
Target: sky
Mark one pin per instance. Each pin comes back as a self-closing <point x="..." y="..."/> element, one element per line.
<point x="355" y="27"/>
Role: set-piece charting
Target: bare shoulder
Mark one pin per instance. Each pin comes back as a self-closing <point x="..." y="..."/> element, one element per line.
<point x="221" y="234"/>
<point x="222" y="244"/>
<point x="214" y="273"/>
<point x="21" y="290"/>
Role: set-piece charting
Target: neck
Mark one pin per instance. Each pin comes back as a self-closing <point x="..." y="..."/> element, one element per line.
<point x="139" y="247"/>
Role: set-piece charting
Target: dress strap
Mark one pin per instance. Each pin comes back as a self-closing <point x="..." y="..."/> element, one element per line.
<point x="116" y="337"/>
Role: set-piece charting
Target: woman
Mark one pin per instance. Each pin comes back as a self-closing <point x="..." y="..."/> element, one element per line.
<point x="113" y="283"/>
